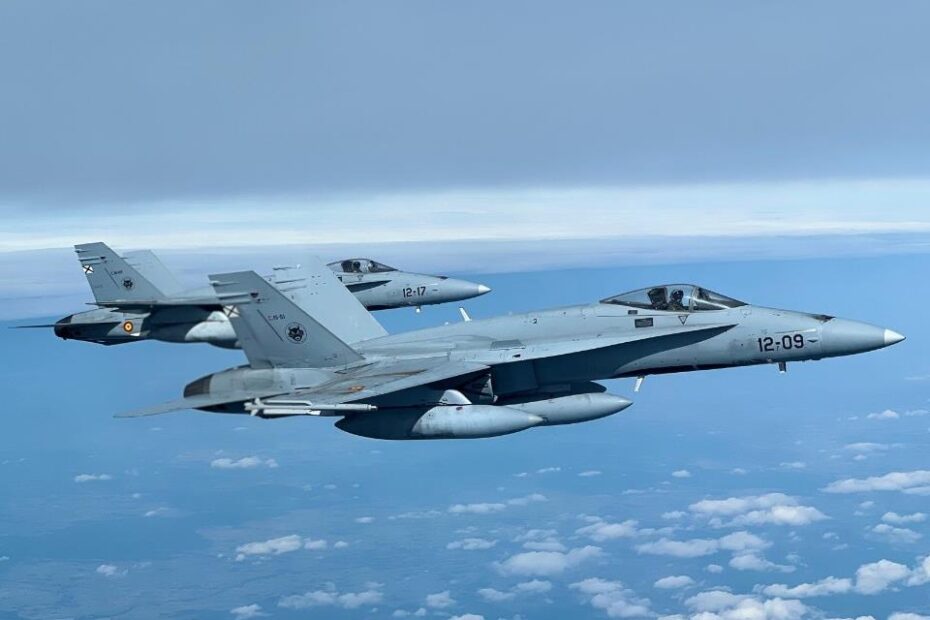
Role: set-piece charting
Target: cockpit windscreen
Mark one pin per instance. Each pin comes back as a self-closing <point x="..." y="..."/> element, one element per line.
<point x="675" y="298"/>
<point x="360" y="265"/>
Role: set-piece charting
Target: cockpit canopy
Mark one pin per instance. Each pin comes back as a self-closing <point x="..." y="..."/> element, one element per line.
<point x="359" y="265"/>
<point x="675" y="298"/>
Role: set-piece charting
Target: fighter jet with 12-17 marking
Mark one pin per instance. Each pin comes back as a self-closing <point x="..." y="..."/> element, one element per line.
<point x="140" y="299"/>
<point x="483" y="378"/>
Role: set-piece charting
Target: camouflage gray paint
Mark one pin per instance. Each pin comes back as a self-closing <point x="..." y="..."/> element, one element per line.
<point x="490" y="377"/>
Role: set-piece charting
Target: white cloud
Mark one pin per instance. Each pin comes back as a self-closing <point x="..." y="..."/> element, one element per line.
<point x="681" y="473"/>
<point x="315" y="545"/>
<point x="589" y="473"/>
<point x="722" y="605"/>
<point x="674" y="514"/>
<point x="92" y="477"/>
<point x="755" y="562"/>
<point x="602" y="530"/>
<point x="887" y="414"/>
<point x="109" y="570"/>
<point x="743" y="541"/>
<point x="877" y="576"/>
<point x="793" y="465"/>
<point x="894" y="481"/>
<point x="535" y="534"/>
<point x="527" y="499"/>
<point x="780" y="515"/>
<point x="898" y="615"/>
<point x="273" y="546"/>
<point x="420" y="514"/>
<point x="824" y="587"/>
<point x="896" y="519"/>
<point x="897" y="534"/>
<point x="746" y="549"/>
<point x="730" y="209"/>
<point x="546" y="563"/>
<point x="467" y="617"/>
<point x="495" y="596"/>
<point x="477" y="509"/>
<point x="549" y="544"/>
<point x="365" y="520"/>
<point x="329" y="597"/>
<point x="673" y="582"/>
<point x="872" y="578"/>
<point x="548" y="470"/>
<point x="769" y="509"/>
<point x="471" y="544"/>
<point x="715" y="569"/>
<point x="494" y="507"/>
<point x="246" y="612"/>
<point x="921" y="574"/>
<point x="680" y="548"/>
<point x="534" y="586"/>
<point x="161" y="511"/>
<point x="440" y="600"/>
<point x="246" y="462"/>
<point x="340" y="544"/>
<point x="613" y="598"/>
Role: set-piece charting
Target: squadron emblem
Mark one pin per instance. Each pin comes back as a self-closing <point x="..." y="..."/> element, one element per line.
<point x="296" y="332"/>
<point x="88" y="269"/>
<point x="128" y="283"/>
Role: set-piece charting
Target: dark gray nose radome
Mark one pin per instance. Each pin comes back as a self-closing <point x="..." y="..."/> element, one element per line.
<point x="63" y="327"/>
<point x="845" y="337"/>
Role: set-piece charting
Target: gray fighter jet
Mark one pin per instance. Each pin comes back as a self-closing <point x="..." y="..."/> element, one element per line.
<point x="140" y="299"/>
<point x="483" y="378"/>
<point x="380" y="287"/>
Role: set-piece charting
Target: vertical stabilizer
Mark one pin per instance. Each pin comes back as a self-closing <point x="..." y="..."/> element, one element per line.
<point x="111" y="278"/>
<point x="153" y="270"/>
<point x="317" y="291"/>
<point x="272" y="330"/>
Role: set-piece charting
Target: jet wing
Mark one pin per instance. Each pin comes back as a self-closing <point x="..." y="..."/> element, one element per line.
<point x="353" y="384"/>
<point x="386" y="377"/>
<point x="193" y="402"/>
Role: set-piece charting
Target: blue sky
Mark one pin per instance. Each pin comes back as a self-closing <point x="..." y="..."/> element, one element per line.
<point x="727" y="482"/>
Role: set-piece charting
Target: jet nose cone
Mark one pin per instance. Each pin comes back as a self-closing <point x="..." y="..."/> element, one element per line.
<point x="63" y="327"/>
<point x="457" y="290"/>
<point x="844" y="337"/>
<point x="892" y="337"/>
